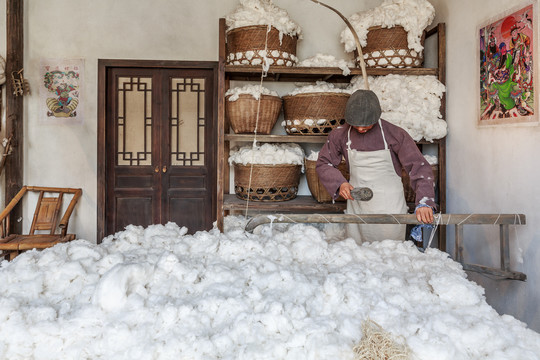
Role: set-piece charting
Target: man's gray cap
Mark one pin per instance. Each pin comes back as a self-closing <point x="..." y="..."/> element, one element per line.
<point x="363" y="108"/>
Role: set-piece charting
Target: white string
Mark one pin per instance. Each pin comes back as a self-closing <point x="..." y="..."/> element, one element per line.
<point x="285" y="216"/>
<point x="497" y="219"/>
<point x="394" y="218"/>
<point x="438" y="218"/>
<point x="328" y="221"/>
<point x="462" y="221"/>
<point x="264" y="70"/>
<point x="358" y="216"/>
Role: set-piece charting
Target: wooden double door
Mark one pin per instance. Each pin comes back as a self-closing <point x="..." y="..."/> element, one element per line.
<point x="159" y="145"/>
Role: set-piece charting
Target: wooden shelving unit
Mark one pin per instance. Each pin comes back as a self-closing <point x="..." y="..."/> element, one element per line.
<point x="229" y="202"/>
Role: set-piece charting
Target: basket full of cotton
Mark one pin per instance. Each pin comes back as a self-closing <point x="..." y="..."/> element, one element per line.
<point x="252" y="109"/>
<point x="314" y="109"/>
<point x="267" y="172"/>
<point x="260" y="33"/>
<point x="392" y="34"/>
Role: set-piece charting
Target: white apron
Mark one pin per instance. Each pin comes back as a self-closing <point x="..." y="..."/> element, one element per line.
<point x="375" y="170"/>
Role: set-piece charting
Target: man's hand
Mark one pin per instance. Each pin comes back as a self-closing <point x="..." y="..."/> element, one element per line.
<point x="424" y="214"/>
<point x="345" y="191"/>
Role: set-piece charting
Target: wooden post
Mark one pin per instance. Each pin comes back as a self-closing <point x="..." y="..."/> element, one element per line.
<point x="14" y="107"/>
<point x="504" y="237"/>
<point x="221" y="160"/>
<point x="459" y="243"/>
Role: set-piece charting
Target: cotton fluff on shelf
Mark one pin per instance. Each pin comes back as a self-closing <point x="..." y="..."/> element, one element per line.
<point x="268" y="154"/>
<point x="283" y="292"/>
<point x="313" y="156"/>
<point x="320" y="86"/>
<point x="262" y="12"/>
<point x="413" y="15"/>
<point x="254" y="90"/>
<point x="411" y="102"/>
<point x="432" y="159"/>
<point x="324" y="60"/>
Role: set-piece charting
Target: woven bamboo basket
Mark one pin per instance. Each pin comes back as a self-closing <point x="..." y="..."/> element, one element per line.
<point x="388" y="48"/>
<point x="314" y="113"/>
<point x="410" y="195"/>
<point x="246" y="46"/>
<point x="268" y="182"/>
<point x="242" y="113"/>
<point x="318" y="191"/>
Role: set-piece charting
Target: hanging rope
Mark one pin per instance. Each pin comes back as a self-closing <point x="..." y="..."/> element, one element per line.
<point x="264" y="72"/>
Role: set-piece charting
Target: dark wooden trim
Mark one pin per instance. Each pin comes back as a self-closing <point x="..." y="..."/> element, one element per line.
<point x="14" y="108"/>
<point x="101" y="153"/>
<point x="330" y="74"/>
<point x="103" y="67"/>
<point x="220" y="161"/>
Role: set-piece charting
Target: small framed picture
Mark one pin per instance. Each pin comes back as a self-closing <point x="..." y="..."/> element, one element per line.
<point x="507" y="68"/>
<point x="61" y="82"/>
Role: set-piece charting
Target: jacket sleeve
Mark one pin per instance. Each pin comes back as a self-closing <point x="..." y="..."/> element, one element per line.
<point x="329" y="158"/>
<point x="419" y="170"/>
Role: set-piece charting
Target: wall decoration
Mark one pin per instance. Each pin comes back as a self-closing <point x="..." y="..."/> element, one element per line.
<point x="507" y="66"/>
<point x="61" y="81"/>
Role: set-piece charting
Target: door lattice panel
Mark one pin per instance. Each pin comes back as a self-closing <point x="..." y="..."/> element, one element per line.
<point x="187" y="121"/>
<point x="134" y="121"/>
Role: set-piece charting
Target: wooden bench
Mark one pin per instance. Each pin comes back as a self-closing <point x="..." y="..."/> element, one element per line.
<point x="45" y="218"/>
<point x="459" y="220"/>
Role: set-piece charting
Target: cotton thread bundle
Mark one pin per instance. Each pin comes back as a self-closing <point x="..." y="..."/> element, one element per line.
<point x="378" y="344"/>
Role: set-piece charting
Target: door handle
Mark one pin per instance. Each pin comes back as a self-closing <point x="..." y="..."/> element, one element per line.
<point x="156" y="169"/>
<point x="164" y="169"/>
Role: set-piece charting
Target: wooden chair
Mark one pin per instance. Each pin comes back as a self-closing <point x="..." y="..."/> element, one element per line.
<point x="45" y="218"/>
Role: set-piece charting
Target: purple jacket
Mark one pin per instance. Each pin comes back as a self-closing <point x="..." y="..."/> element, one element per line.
<point x="404" y="151"/>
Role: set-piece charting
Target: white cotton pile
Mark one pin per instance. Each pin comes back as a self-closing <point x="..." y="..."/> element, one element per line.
<point x="254" y="90"/>
<point x="324" y="60"/>
<point x="313" y="156"/>
<point x="262" y="12"/>
<point x="320" y="86"/>
<point x="268" y="154"/>
<point x="432" y="159"/>
<point x="413" y="15"/>
<point x="411" y="102"/>
<point x="284" y="292"/>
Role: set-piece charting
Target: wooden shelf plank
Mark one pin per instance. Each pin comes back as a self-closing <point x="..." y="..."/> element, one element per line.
<point x="330" y="74"/>
<point x="308" y="139"/>
<point x="302" y="203"/>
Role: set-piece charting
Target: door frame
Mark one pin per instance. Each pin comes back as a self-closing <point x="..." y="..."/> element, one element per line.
<point x="103" y="68"/>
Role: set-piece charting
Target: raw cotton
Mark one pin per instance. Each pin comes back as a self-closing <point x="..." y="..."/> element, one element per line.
<point x="324" y="60"/>
<point x="313" y="156"/>
<point x="268" y="154"/>
<point x="254" y="90"/>
<point x="432" y="159"/>
<point x="262" y="12"/>
<point x="320" y="86"/>
<point x="413" y="15"/>
<point x="411" y="102"/>
<point x="283" y="292"/>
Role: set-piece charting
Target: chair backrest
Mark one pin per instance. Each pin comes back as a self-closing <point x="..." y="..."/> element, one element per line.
<point x="46" y="214"/>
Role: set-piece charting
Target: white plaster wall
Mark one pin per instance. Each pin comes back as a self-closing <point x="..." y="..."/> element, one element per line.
<point x="490" y="170"/>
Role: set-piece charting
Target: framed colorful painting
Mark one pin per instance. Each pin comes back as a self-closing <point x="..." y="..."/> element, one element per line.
<point x="507" y="68"/>
<point x="61" y="82"/>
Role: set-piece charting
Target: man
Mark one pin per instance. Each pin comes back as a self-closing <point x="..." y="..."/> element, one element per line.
<point x="375" y="151"/>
